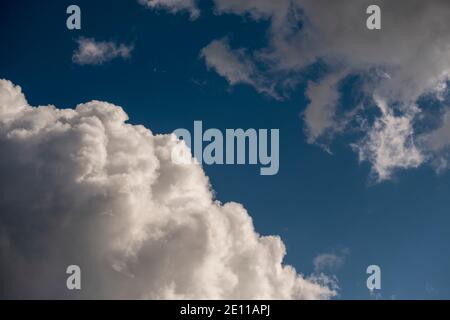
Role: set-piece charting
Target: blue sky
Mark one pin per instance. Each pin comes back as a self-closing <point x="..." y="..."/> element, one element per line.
<point x="318" y="202"/>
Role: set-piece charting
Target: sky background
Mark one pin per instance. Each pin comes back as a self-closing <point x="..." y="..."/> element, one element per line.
<point x="318" y="202"/>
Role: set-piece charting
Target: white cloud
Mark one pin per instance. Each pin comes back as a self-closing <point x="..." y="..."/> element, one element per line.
<point x="389" y="144"/>
<point x="232" y="65"/>
<point x="407" y="58"/>
<point x="412" y="45"/>
<point x="235" y="66"/>
<point x="81" y="186"/>
<point x="326" y="264"/>
<point x="319" y="116"/>
<point x="330" y="261"/>
<point x="174" y="6"/>
<point x="94" y="52"/>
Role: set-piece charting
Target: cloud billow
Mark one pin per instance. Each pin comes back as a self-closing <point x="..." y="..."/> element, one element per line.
<point x="82" y="186"/>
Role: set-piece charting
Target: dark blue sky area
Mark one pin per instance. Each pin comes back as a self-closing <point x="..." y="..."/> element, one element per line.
<point x="317" y="203"/>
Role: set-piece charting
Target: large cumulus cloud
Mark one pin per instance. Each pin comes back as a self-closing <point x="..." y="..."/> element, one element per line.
<point x="82" y="186"/>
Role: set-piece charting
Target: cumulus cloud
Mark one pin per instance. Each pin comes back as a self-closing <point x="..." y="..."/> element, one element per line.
<point x="174" y="6"/>
<point x="82" y="186"/>
<point x="94" y="52"/>
<point x="406" y="59"/>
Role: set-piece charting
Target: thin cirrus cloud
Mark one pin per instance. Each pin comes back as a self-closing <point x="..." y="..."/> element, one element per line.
<point x="82" y="186"/>
<point x="93" y="52"/>
<point x="399" y="64"/>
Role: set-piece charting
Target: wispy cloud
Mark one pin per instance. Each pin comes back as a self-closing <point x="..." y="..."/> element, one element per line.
<point x="330" y="261"/>
<point x="389" y="144"/>
<point x="174" y="6"/>
<point x="94" y="52"/>
<point x="236" y="66"/>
